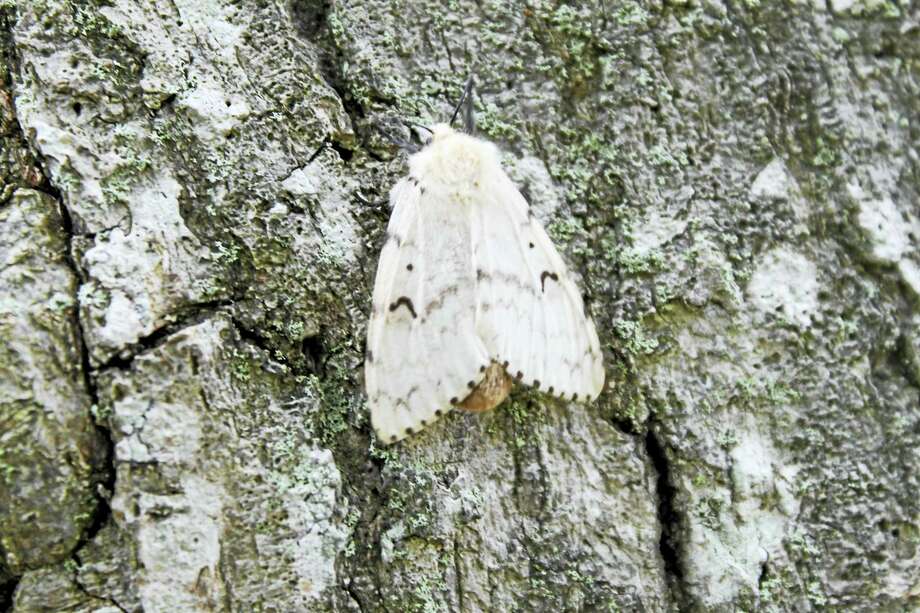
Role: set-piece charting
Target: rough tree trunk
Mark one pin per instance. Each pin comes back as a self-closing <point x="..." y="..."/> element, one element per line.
<point x="193" y="202"/>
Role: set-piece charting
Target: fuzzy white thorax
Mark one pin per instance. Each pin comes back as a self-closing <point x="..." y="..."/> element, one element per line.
<point x="454" y="159"/>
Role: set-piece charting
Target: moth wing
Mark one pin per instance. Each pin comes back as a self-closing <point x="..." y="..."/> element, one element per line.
<point x="423" y="352"/>
<point x="531" y="314"/>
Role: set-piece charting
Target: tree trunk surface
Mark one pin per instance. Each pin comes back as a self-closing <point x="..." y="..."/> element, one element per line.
<point x="194" y="196"/>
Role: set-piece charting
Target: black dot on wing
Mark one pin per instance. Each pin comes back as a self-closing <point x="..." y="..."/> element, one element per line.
<point x="482" y="369"/>
<point x="531" y="245"/>
<point x="454" y="400"/>
<point x="470" y="384"/>
<point x="408" y="430"/>
<point x="409" y="266"/>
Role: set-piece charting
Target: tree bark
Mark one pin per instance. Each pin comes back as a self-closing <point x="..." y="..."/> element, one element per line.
<point x="193" y="201"/>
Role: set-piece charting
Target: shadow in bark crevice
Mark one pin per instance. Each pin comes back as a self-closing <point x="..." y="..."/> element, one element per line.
<point x="668" y="517"/>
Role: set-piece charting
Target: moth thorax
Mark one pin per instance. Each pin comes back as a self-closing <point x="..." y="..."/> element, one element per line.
<point x="458" y="162"/>
<point x="491" y="391"/>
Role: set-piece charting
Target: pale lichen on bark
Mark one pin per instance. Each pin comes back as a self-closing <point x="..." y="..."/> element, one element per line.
<point x="192" y="205"/>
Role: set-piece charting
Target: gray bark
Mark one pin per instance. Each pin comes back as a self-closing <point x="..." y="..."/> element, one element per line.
<point x="193" y="201"/>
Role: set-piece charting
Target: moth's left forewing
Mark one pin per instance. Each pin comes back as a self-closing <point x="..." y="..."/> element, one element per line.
<point x="382" y="341"/>
<point x="423" y="353"/>
<point x="531" y="312"/>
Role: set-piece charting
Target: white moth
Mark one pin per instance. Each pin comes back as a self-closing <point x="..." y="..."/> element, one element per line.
<point x="469" y="290"/>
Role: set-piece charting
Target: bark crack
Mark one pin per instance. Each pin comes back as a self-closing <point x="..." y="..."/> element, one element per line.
<point x="28" y="175"/>
<point x="669" y="544"/>
<point x="190" y="315"/>
<point x="764" y="575"/>
<point x="353" y="593"/>
<point x="105" y="478"/>
<point x="83" y="589"/>
<point x="7" y="590"/>
<point x="458" y="572"/>
<point x="312" y="19"/>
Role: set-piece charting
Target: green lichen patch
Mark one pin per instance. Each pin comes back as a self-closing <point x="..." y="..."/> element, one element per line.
<point x="51" y="452"/>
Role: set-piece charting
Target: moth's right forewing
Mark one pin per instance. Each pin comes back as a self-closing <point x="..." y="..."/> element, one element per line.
<point x="532" y="317"/>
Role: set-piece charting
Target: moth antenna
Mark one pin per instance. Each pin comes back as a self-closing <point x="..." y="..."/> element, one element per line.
<point x="465" y="103"/>
<point x="406" y="146"/>
<point x="469" y="121"/>
<point x="412" y="124"/>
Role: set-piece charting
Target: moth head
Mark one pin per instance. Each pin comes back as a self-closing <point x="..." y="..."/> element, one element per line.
<point x="440" y="132"/>
<point x="454" y="159"/>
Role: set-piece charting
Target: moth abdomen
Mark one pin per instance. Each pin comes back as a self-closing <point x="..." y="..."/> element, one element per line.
<point x="490" y="392"/>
